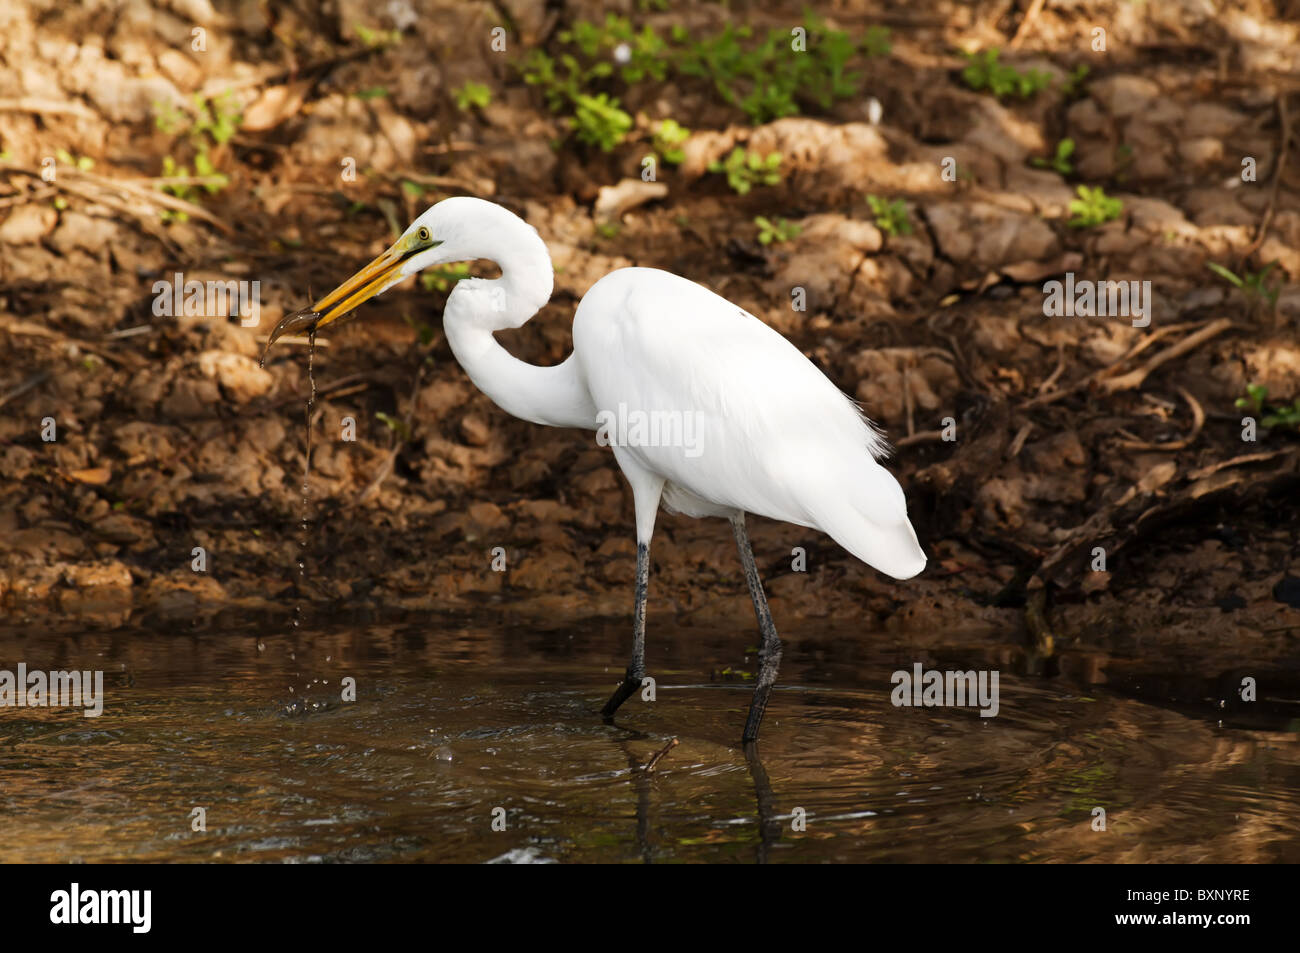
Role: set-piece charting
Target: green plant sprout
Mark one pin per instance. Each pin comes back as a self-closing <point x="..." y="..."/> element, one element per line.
<point x="984" y="72"/>
<point x="443" y="277"/>
<point x="424" y="331"/>
<point x="770" y="232"/>
<point x="1283" y="416"/>
<point x="890" y="215"/>
<point x="539" y="69"/>
<point x="83" y="163"/>
<point x="1072" y="85"/>
<point x="216" y="118"/>
<point x="377" y="39"/>
<point x="398" y="426"/>
<point x="1060" y="162"/>
<point x="668" y="140"/>
<point x="823" y="75"/>
<point x="1256" y="394"/>
<point x="169" y="119"/>
<point x="875" y="42"/>
<point x="181" y="190"/>
<point x="819" y="76"/>
<point x="598" y="121"/>
<point x="473" y="96"/>
<point x="769" y="100"/>
<point x="766" y="77"/>
<point x="214" y="122"/>
<point x="744" y="170"/>
<point x="778" y="76"/>
<point x="1093" y="207"/>
<point x="641" y="54"/>
<point x="1256" y="286"/>
<point x="721" y="58"/>
<point x="566" y="81"/>
<point x="204" y="169"/>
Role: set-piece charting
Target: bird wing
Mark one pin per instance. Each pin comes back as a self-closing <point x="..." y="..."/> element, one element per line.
<point x="746" y="421"/>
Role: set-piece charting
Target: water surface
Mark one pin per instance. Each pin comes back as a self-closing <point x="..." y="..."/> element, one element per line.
<point x="456" y="717"/>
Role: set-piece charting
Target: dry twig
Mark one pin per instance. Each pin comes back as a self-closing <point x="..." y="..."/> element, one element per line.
<point x="1198" y="421"/>
<point x="650" y="765"/>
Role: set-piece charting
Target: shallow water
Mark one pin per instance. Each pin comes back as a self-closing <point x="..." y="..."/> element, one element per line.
<point x="457" y="716"/>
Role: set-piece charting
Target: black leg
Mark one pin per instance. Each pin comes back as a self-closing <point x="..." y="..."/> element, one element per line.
<point x="770" y="652"/>
<point x="769" y="827"/>
<point x="635" y="668"/>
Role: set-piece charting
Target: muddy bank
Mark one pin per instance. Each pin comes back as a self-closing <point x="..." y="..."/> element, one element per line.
<point x="1027" y="441"/>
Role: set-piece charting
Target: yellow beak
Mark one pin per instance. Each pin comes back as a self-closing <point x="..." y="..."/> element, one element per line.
<point x="362" y="286"/>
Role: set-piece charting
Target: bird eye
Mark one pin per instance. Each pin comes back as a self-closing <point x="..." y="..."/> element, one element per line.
<point x="423" y="234"/>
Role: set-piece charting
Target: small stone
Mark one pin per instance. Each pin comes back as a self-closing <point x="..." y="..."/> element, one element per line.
<point x="27" y="224"/>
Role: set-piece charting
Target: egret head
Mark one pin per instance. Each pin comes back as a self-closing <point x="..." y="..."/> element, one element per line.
<point x="449" y="231"/>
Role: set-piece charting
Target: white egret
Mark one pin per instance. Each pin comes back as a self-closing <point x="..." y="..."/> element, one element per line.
<point x="773" y="436"/>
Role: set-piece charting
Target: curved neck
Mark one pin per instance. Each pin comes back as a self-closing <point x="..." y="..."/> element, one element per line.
<point x="554" y="396"/>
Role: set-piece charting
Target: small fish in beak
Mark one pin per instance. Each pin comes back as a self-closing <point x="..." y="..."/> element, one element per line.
<point x="380" y="274"/>
<point x="303" y="321"/>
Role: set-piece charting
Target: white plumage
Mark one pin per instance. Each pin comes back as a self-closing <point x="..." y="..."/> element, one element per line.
<point x="778" y="440"/>
<point x="775" y="437"/>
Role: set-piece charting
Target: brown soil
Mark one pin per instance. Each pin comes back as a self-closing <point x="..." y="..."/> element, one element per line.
<point x="170" y="437"/>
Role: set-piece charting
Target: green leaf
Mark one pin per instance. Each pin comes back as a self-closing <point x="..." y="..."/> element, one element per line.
<point x="396" y="425"/>
<point x="1224" y="273"/>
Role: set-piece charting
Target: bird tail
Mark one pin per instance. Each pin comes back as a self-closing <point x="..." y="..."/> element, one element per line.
<point x="870" y="521"/>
